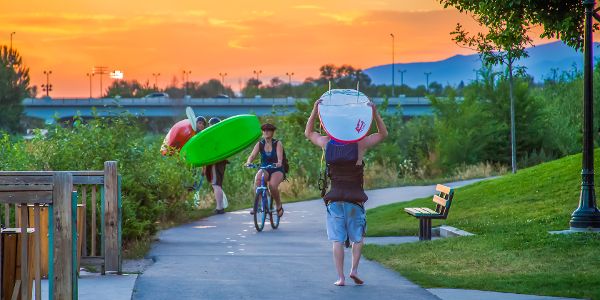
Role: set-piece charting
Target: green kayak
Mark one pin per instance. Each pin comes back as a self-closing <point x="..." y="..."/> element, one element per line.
<point x="222" y="140"/>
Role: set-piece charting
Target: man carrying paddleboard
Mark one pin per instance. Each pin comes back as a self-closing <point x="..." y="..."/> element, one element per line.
<point x="215" y="174"/>
<point x="345" y="200"/>
<point x="271" y="153"/>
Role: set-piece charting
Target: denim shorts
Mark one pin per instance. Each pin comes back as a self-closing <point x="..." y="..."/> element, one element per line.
<point x="345" y="220"/>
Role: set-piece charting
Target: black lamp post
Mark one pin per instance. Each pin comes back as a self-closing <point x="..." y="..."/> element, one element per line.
<point x="393" y="64"/>
<point x="587" y="216"/>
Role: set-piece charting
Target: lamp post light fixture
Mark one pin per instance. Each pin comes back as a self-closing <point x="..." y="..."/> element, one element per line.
<point x="47" y="87"/>
<point x="587" y="216"/>
<point x="393" y="63"/>
<point x="90" y="75"/>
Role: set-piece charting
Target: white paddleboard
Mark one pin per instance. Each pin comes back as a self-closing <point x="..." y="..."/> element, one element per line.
<point x="191" y="117"/>
<point x="345" y="115"/>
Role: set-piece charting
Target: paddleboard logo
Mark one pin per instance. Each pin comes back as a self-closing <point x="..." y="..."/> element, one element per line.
<point x="360" y="126"/>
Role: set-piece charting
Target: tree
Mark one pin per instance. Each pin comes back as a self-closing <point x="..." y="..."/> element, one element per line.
<point x="503" y="43"/>
<point x="14" y="87"/>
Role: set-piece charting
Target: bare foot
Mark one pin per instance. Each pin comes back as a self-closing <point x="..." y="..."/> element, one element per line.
<point x="356" y="279"/>
<point x="340" y="282"/>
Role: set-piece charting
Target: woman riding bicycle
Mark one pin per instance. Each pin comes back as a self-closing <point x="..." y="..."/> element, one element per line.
<point x="271" y="153"/>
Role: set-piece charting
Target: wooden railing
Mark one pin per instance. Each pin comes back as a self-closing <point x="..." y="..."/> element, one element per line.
<point x="96" y="197"/>
<point x="57" y="195"/>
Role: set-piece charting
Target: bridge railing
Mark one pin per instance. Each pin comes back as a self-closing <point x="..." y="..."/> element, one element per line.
<point x="115" y="102"/>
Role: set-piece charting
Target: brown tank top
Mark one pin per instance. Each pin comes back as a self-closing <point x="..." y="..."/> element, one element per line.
<point x="346" y="177"/>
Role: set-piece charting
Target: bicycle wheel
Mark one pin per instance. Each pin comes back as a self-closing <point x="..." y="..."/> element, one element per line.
<point x="273" y="217"/>
<point x="259" y="212"/>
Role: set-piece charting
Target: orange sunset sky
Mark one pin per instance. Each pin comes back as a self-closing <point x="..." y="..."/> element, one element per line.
<point x="207" y="37"/>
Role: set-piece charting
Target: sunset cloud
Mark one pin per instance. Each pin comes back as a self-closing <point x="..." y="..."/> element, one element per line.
<point x="208" y="37"/>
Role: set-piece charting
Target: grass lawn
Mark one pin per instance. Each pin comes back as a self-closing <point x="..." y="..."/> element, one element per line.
<point x="512" y="250"/>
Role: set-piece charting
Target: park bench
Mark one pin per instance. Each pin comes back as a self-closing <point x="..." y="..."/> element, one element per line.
<point x="443" y="201"/>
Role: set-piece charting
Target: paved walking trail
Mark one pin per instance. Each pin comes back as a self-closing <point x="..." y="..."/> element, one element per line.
<point x="223" y="257"/>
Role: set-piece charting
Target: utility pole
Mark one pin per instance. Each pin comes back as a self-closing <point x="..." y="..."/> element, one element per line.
<point x="257" y="73"/>
<point x="47" y="87"/>
<point x="186" y="79"/>
<point x="427" y="74"/>
<point x="587" y="216"/>
<point x="476" y="75"/>
<point x="100" y="71"/>
<point x="393" y="63"/>
<point x="155" y="75"/>
<point x="289" y="75"/>
<point x="223" y="80"/>
<point x="90" y="75"/>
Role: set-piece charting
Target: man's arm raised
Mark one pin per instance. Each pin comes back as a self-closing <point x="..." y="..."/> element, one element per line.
<point x="310" y="132"/>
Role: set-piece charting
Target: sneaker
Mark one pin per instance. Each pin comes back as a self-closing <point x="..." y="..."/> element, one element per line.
<point x="219" y="211"/>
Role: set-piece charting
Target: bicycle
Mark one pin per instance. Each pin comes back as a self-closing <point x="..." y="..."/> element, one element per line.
<point x="263" y="203"/>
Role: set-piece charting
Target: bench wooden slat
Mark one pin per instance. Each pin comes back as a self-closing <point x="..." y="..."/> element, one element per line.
<point x="421" y="212"/>
<point x="444" y="189"/>
<point x="439" y="200"/>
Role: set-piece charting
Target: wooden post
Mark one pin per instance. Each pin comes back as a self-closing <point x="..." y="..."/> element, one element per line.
<point x="37" y="251"/>
<point x="24" y="217"/>
<point x="94" y="222"/>
<point x="7" y="215"/>
<point x="111" y="215"/>
<point x="62" y="262"/>
<point x="83" y="234"/>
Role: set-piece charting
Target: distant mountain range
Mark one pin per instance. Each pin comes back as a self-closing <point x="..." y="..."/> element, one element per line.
<point x="542" y="59"/>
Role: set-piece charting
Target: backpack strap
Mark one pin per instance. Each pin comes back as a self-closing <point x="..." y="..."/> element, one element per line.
<point x="261" y="146"/>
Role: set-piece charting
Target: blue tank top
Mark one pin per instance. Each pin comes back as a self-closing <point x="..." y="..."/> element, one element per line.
<point x="268" y="158"/>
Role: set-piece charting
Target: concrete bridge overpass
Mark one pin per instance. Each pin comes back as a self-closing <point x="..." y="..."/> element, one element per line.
<point x="49" y="109"/>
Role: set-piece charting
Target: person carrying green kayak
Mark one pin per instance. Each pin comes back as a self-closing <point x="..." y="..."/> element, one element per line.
<point x="215" y="174"/>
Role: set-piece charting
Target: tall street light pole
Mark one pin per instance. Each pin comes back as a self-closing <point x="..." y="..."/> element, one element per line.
<point x="90" y="75"/>
<point x="186" y="79"/>
<point x="155" y="75"/>
<point x="10" y="55"/>
<point x="393" y="63"/>
<point x="47" y="87"/>
<point x="427" y="74"/>
<point x="401" y="77"/>
<point x="222" y="75"/>
<point x="100" y="71"/>
<point x="257" y="73"/>
<point x="11" y="38"/>
<point x="289" y="75"/>
<point x="587" y="217"/>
